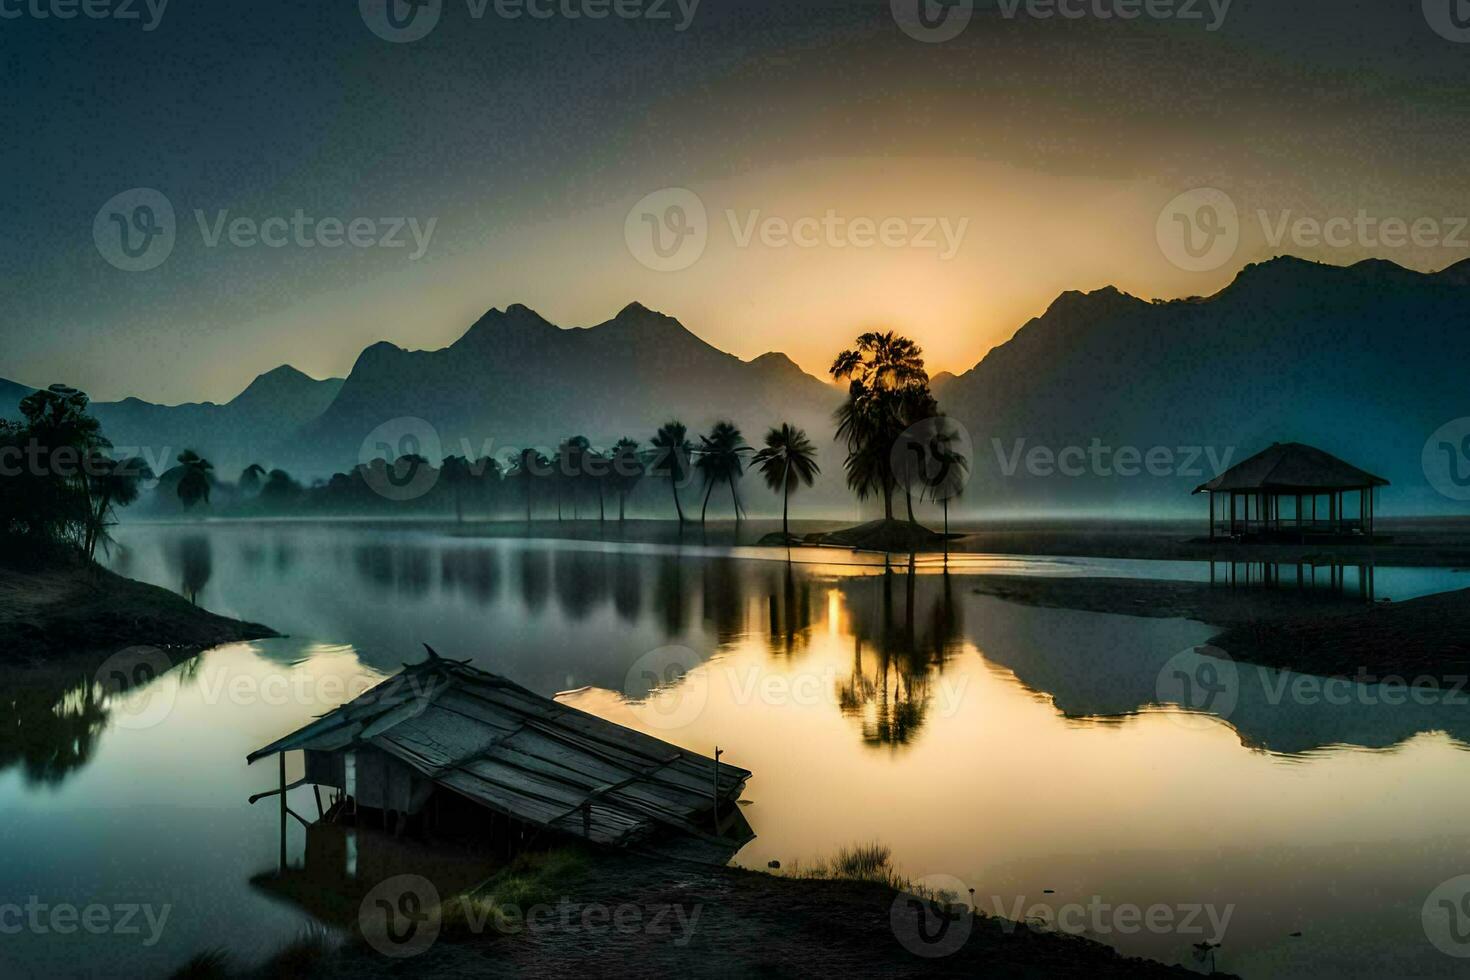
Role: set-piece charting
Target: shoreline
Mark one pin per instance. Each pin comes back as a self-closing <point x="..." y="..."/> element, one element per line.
<point x="722" y="922"/>
<point x="1413" y="542"/>
<point x="69" y="610"/>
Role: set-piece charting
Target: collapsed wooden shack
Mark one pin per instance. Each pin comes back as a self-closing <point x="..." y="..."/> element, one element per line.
<point x="443" y="732"/>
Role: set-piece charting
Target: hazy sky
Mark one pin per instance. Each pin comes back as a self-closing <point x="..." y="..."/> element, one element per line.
<point x="1047" y="148"/>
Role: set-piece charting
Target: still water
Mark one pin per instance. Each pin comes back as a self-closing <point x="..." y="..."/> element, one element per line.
<point x="1017" y="749"/>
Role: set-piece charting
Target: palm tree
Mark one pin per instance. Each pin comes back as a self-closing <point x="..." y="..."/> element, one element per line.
<point x="885" y="373"/>
<point x="627" y="470"/>
<point x="112" y="483"/>
<point x="194" y="482"/>
<point x="528" y="464"/>
<point x="250" y="479"/>
<point x="954" y="469"/>
<point x="456" y="474"/>
<point x="721" y="459"/>
<point x="788" y="461"/>
<point x="672" y="449"/>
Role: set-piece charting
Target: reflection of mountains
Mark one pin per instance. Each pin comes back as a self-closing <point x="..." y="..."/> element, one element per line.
<point x="1104" y="667"/>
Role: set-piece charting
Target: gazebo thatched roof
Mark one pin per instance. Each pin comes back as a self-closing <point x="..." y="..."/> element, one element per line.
<point x="1291" y="467"/>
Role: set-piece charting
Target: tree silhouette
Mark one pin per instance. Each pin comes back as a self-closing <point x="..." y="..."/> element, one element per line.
<point x="194" y="483"/>
<point x="250" y="479"/>
<point x="111" y="483"/>
<point x="672" y="449"/>
<point x="887" y="384"/>
<point x="788" y="461"/>
<point x="627" y="470"/>
<point x="528" y="465"/>
<point x="456" y="474"/>
<point x="721" y="460"/>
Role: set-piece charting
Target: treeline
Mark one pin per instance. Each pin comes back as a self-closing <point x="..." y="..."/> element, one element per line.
<point x="59" y="486"/>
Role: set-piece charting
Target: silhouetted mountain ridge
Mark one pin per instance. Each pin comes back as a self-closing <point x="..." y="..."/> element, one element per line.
<point x="1364" y="361"/>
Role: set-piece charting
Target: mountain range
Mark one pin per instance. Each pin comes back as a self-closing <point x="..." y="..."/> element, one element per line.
<point x="1364" y="361"/>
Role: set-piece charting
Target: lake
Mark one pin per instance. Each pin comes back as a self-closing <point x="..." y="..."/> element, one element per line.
<point x="1048" y="759"/>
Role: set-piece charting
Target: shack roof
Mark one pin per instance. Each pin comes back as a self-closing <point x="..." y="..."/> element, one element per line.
<point x="1288" y="466"/>
<point x="521" y="754"/>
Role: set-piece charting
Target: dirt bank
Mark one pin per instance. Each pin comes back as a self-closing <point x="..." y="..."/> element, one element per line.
<point x="69" y="607"/>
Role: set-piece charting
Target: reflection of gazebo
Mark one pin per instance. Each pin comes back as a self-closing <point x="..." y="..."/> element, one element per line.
<point x="1277" y="492"/>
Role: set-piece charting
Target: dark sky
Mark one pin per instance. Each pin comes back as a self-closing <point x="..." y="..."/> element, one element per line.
<point x="527" y="141"/>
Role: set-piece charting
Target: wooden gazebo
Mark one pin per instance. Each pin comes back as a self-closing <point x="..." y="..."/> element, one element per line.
<point x="1292" y="490"/>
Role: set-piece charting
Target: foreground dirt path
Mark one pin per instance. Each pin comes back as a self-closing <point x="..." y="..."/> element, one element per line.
<point x="745" y="924"/>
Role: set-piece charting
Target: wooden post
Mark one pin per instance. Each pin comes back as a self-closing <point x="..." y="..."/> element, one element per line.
<point x="282" y="757"/>
<point x="716" y="810"/>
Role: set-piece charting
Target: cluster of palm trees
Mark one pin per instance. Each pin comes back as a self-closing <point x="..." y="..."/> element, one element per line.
<point x="895" y="434"/>
<point x="787" y="463"/>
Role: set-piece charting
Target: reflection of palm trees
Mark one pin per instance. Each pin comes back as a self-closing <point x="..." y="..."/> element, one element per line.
<point x="889" y="692"/>
<point x="51" y="733"/>
<point x="192" y="560"/>
<point x="791" y="616"/>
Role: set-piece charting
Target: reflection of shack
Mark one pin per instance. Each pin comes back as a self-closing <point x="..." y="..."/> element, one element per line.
<point x="446" y="749"/>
